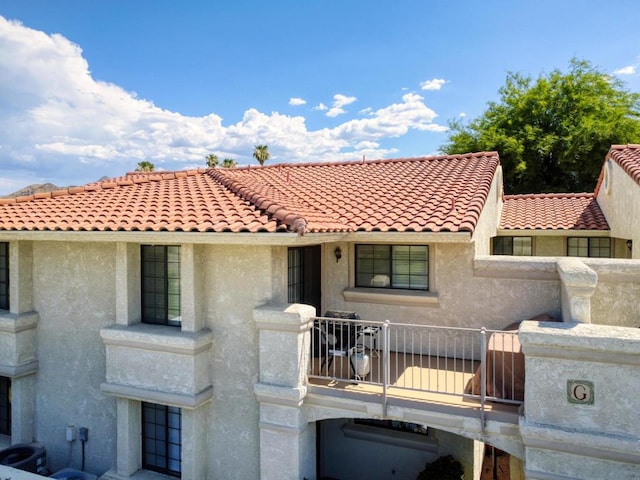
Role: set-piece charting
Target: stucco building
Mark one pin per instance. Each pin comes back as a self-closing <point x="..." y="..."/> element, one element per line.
<point x="172" y="314"/>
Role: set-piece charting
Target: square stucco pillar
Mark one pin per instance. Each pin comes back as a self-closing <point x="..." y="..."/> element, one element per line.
<point x="23" y="391"/>
<point x="578" y="282"/>
<point x="581" y="401"/>
<point x="129" y="445"/>
<point x="287" y="441"/>
<point x="194" y="441"/>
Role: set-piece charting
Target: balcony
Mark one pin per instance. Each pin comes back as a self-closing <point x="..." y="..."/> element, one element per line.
<point x="479" y="370"/>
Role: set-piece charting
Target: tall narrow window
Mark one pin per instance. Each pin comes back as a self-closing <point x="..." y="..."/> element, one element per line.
<point x="294" y="275"/>
<point x="161" y="284"/>
<point x="303" y="275"/>
<point x="393" y="266"/>
<point x="589" y="247"/>
<point x="162" y="438"/>
<point x="5" y="406"/>
<point x="4" y="276"/>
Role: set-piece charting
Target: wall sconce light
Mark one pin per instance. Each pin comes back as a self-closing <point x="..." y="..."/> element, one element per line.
<point x="629" y="244"/>
<point x="338" y="253"/>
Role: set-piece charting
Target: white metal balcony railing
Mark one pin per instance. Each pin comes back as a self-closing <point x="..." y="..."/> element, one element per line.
<point x="481" y="364"/>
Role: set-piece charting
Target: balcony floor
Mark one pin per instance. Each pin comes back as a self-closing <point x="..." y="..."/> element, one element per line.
<point x="417" y="381"/>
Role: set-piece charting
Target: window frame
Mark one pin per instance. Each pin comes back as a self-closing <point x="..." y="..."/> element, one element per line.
<point x="391" y="271"/>
<point x="164" y="429"/>
<point x="589" y="247"/>
<point x="5" y="406"/>
<point x="510" y="248"/>
<point x="5" y="300"/>
<point x="170" y="283"/>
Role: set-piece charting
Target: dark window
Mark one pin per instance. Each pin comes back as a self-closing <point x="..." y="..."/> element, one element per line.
<point x="4" y="276"/>
<point x="294" y="275"/>
<point x="162" y="438"/>
<point x="589" y="247"/>
<point x="392" y="266"/>
<point x="303" y="275"/>
<point x="512" y="246"/>
<point x="5" y="406"/>
<point x="161" y="284"/>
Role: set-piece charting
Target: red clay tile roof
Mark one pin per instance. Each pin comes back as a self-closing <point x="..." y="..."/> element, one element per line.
<point x="628" y="157"/>
<point x="435" y="194"/>
<point x="554" y="211"/>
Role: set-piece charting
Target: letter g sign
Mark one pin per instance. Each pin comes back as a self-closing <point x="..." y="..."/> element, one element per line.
<point x="580" y="392"/>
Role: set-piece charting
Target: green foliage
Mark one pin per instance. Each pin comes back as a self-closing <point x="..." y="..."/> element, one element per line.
<point x="261" y="153"/>
<point x="552" y="134"/>
<point x="229" y="163"/>
<point x="443" y="468"/>
<point x="145" y="166"/>
<point x="212" y="160"/>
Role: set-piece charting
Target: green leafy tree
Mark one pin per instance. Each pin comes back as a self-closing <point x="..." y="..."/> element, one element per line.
<point x="261" y="153"/>
<point x="212" y="160"/>
<point x="229" y="163"/>
<point x="145" y="166"/>
<point x="552" y="134"/>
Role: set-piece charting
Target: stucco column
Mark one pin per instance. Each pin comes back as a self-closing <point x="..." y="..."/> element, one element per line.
<point x="578" y="282"/>
<point x="581" y="401"/>
<point x="127" y="283"/>
<point x="194" y="441"/>
<point x="18" y="348"/>
<point x="287" y="441"/>
<point x="129" y="446"/>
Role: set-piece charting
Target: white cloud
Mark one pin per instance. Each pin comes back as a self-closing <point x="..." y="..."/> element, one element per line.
<point x="433" y="84"/>
<point x="59" y="124"/>
<point x="339" y="101"/>
<point x="463" y="114"/>
<point x="296" y="102"/>
<point x="629" y="70"/>
<point x="365" y="111"/>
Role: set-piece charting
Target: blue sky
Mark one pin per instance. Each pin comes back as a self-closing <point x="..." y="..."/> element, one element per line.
<point x="89" y="89"/>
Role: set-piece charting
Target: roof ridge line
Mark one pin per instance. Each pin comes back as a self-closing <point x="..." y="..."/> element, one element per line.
<point x="456" y="156"/>
<point x="293" y="221"/>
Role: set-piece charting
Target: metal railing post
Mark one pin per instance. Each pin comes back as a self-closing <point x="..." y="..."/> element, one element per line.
<point x="386" y="374"/>
<point x="483" y="375"/>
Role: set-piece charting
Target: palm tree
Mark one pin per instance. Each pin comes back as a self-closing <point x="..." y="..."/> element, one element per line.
<point x="212" y="160"/>
<point x="261" y="153"/>
<point x="145" y="166"/>
<point x="229" y="163"/>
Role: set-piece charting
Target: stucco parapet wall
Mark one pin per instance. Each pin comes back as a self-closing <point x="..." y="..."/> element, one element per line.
<point x="615" y="270"/>
<point x="581" y="341"/>
<point x="154" y="362"/>
<point x="18" y="344"/>
<point x="157" y="338"/>
<point x="595" y="444"/>
<point x="287" y="318"/>
<point x="524" y="268"/>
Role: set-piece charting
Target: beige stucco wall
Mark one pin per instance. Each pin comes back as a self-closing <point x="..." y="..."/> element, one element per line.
<point x="549" y="246"/>
<point x="489" y="217"/>
<point x="463" y="298"/>
<point x="74" y="289"/>
<point x="619" y="199"/>
<point x="236" y="280"/>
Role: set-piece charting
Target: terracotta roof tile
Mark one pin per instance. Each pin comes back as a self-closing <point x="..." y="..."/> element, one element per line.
<point x="442" y="193"/>
<point x="556" y="211"/>
<point x="628" y="157"/>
